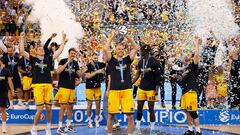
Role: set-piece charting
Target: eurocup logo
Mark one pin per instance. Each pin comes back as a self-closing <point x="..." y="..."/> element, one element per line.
<point x="224" y="116"/>
<point x="7" y="116"/>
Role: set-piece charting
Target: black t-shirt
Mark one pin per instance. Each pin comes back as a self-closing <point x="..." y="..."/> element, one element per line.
<point x="41" y="70"/>
<point x="114" y="67"/>
<point x="189" y="78"/>
<point x="25" y="66"/>
<point x="68" y="75"/>
<point x="95" y="81"/>
<point x="4" y="74"/>
<point x="11" y="63"/>
<point x="150" y="73"/>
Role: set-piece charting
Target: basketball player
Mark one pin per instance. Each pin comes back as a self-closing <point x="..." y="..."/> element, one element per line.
<point x="11" y="62"/>
<point x="121" y="88"/>
<point x="94" y="76"/>
<point x="26" y="70"/>
<point x="187" y="80"/>
<point x="69" y="71"/>
<point x="5" y="81"/>
<point x="41" y="80"/>
<point x="149" y="69"/>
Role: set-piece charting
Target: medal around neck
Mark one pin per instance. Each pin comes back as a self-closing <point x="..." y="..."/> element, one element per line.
<point x="122" y="30"/>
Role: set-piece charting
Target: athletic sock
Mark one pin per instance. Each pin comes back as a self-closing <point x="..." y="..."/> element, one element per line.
<point x="198" y="129"/>
<point x="152" y="125"/>
<point x="138" y="124"/>
<point x="69" y="123"/>
<point x="89" y="118"/>
<point x="34" y="127"/>
<point x="20" y="101"/>
<point x="96" y="117"/>
<point x="11" y="102"/>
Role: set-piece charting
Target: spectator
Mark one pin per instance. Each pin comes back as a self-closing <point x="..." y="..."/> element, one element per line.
<point x="211" y="94"/>
<point x="221" y="87"/>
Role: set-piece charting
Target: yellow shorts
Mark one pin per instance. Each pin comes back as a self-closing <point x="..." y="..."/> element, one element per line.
<point x="65" y="95"/>
<point x="149" y="95"/>
<point x="42" y="93"/>
<point x="222" y="89"/>
<point x="189" y="101"/>
<point x="120" y="98"/>
<point x="95" y="93"/>
<point x="27" y="82"/>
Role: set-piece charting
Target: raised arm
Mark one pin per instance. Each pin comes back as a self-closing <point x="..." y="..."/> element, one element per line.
<point x="198" y="42"/>
<point x="106" y="48"/>
<point x="135" y="47"/>
<point x="22" y="51"/>
<point x="46" y="45"/>
<point x="60" y="49"/>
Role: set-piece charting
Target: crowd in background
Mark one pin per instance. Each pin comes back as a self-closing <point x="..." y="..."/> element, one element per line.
<point x="160" y="24"/>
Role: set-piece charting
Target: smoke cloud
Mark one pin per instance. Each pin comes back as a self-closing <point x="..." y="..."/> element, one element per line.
<point x="55" y="16"/>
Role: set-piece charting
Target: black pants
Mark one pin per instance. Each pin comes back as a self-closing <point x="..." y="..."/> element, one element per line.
<point x="235" y="97"/>
<point x="174" y="92"/>
<point x="203" y="92"/>
<point x="162" y="91"/>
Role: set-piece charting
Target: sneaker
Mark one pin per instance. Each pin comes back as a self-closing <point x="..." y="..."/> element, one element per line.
<point x="189" y="133"/>
<point x="33" y="132"/>
<point x="198" y="133"/>
<point x="116" y="126"/>
<point x="90" y="124"/>
<point x="27" y="107"/>
<point x="48" y="131"/>
<point x="70" y="129"/>
<point x="97" y="123"/>
<point x="61" y="130"/>
<point x="4" y="129"/>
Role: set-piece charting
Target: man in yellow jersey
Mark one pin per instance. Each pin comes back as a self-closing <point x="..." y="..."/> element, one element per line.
<point x="68" y="70"/>
<point x="120" y="93"/>
<point x="187" y="80"/>
<point x="41" y="80"/>
<point x="149" y="69"/>
<point x="26" y="70"/>
<point x="94" y="76"/>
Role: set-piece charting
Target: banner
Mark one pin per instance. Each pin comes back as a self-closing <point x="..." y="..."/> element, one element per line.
<point x="219" y="117"/>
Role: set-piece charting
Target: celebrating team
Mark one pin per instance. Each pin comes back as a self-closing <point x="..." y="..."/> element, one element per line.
<point x="36" y="70"/>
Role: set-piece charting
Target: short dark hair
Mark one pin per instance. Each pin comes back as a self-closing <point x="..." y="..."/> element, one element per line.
<point x="9" y="46"/>
<point x="72" y="49"/>
<point x="54" y="44"/>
